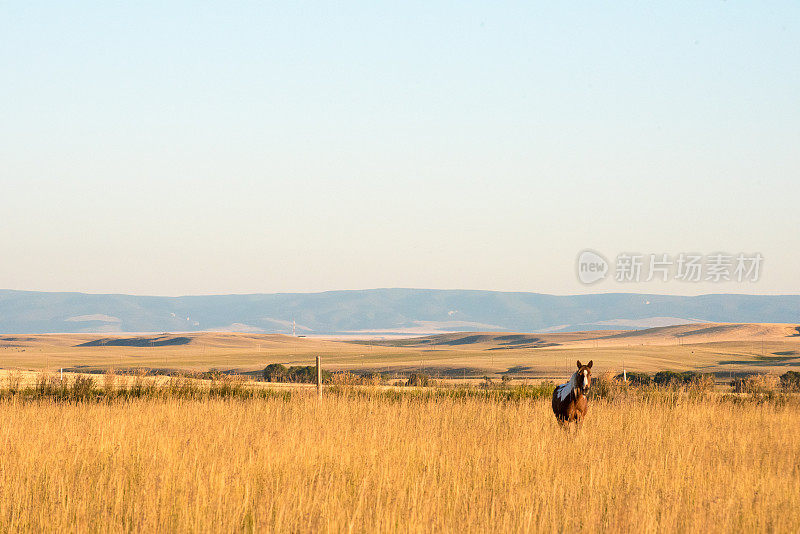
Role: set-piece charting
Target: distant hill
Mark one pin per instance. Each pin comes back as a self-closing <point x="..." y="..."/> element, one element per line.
<point x="381" y="312"/>
<point x="663" y="335"/>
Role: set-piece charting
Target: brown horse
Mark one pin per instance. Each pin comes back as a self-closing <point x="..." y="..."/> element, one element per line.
<point x="569" y="400"/>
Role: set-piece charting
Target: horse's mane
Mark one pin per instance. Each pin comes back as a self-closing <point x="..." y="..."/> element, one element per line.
<point x="566" y="388"/>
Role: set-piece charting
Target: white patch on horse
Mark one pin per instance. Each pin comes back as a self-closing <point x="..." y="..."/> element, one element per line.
<point x="565" y="389"/>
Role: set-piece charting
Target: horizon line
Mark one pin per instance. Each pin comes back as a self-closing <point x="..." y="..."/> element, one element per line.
<point x="643" y="293"/>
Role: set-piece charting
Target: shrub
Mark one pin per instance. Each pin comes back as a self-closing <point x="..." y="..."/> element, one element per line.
<point x="109" y="383"/>
<point x="635" y="378"/>
<point x="307" y="374"/>
<point x="304" y="374"/>
<point x="275" y="372"/>
<point x="372" y="379"/>
<point x="14" y="381"/>
<point x="419" y="380"/>
<point x="46" y="385"/>
<point x="228" y="386"/>
<point x="667" y="378"/>
<point x="605" y="386"/>
<point x="82" y="387"/>
<point x="182" y="387"/>
<point x="701" y="384"/>
<point x="346" y="378"/>
<point x="790" y="381"/>
<point x="755" y="384"/>
<point x="673" y="379"/>
<point x="137" y="388"/>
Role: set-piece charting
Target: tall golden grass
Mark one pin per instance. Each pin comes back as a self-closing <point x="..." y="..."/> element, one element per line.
<point x="398" y="464"/>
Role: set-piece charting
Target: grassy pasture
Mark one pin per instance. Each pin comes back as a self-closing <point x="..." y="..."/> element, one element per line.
<point x="395" y="459"/>
<point x="373" y="462"/>
<point x="725" y="349"/>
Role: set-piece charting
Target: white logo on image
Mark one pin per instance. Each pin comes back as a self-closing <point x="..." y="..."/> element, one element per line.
<point x="592" y="267"/>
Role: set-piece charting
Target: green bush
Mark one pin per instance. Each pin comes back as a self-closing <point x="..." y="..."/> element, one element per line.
<point x="635" y="378"/>
<point x="275" y="372"/>
<point x="673" y="379"/>
<point x="304" y="374"/>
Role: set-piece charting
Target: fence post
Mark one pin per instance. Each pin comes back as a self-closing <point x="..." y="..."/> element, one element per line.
<point x="319" y="379"/>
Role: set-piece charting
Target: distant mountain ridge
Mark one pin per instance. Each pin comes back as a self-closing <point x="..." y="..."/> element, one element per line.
<point x="380" y="311"/>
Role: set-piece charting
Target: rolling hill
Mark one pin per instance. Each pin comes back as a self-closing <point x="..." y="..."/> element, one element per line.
<point x="377" y="312"/>
<point x="724" y="349"/>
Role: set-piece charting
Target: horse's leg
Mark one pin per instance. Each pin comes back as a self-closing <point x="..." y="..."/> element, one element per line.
<point x="578" y="424"/>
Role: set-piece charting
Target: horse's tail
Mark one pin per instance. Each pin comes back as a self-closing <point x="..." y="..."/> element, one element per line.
<point x="555" y="403"/>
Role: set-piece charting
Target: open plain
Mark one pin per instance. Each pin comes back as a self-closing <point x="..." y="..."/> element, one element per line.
<point x="180" y="454"/>
<point x="722" y="349"/>
<point x="407" y="463"/>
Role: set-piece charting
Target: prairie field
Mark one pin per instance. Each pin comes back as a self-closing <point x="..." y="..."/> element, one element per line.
<point x="382" y="462"/>
<point x="162" y="447"/>
<point x="722" y="349"/>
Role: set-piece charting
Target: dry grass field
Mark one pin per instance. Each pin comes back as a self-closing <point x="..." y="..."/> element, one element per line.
<point x="367" y="459"/>
<point x="718" y="348"/>
<point x="377" y="463"/>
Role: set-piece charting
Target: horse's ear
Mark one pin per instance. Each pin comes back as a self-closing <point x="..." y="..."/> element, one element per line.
<point x="579" y="364"/>
<point x="589" y="365"/>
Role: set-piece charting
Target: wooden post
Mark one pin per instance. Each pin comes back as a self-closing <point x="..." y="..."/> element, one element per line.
<point x="319" y="379"/>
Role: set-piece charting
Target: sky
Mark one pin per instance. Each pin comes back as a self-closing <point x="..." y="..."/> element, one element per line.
<point x="173" y="148"/>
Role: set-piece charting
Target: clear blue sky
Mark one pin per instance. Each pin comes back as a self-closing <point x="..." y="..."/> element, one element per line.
<point x="207" y="147"/>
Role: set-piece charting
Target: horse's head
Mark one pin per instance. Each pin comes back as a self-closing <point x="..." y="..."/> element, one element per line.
<point x="584" y="376"/>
